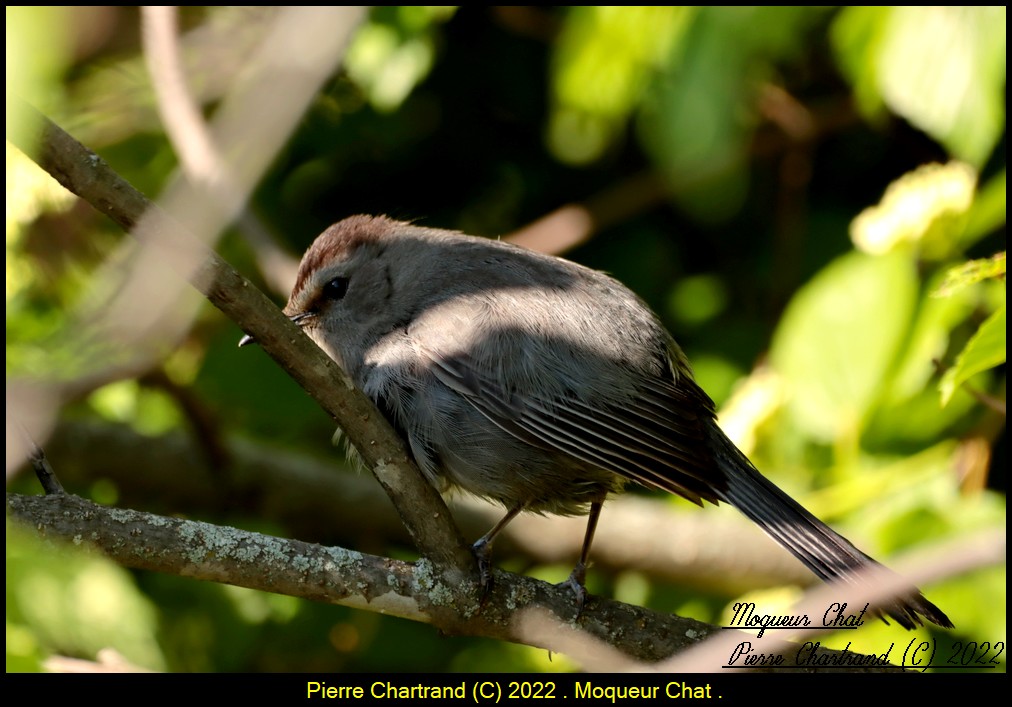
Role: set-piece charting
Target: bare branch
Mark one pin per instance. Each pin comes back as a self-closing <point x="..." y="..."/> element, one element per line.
<point x="192" y="139"/>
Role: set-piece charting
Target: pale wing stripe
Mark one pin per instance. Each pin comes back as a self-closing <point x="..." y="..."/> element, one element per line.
<point x="551" y="428"/>
<point x="641" y="436"/>
<point x="621" y="439"/>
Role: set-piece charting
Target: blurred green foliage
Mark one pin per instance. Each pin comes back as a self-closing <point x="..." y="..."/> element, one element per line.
<point x="828" y="246"/>
<point x="64" y="601"/>
<point x="941" y="68"/>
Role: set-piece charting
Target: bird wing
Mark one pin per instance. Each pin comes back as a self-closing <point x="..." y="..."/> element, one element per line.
<point x="655" y="437"/>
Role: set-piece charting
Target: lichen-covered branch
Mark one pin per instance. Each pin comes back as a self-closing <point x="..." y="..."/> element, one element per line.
<point x="608" y="635"/>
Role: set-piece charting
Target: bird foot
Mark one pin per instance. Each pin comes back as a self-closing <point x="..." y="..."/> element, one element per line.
<point x="576" y="584"/>
<point x="482" y="550"/>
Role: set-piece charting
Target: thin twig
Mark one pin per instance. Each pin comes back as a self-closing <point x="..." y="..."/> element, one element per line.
<point x="43" y="469"/>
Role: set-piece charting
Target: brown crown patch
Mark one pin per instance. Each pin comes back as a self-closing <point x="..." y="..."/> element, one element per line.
<point x="338" y="242"/>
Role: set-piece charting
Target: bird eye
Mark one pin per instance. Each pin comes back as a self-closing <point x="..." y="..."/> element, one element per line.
<point x="336" y="288"/>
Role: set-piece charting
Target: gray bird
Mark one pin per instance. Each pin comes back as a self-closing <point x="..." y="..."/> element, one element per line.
<point x="539" y="384"/>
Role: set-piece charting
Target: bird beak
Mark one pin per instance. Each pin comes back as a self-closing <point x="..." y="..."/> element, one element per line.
<point x="296" y="319"/>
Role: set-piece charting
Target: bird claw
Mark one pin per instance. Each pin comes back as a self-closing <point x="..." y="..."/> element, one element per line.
<point x="482" y="553"/>
<point x="576" y="585"/>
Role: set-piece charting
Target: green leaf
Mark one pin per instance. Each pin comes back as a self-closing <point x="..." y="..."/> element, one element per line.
<point x="988" y="211"/>
<point x="839" y="338"/>
<point x="394" y="51"/>
<point x="603" y="62"/>
<point x="39" y="47"/>
<point x="698" y="122"/>
<point x="64" y="600"/>
<point x="941" y="68"/>
<point x="907" y="410"/>
<point x="970" y="273"/>
<point x="986" y="349"/>
<point x="925" y="209"/>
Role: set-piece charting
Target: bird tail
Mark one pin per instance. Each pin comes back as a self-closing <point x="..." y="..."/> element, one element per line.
<point x="824" y="551"/>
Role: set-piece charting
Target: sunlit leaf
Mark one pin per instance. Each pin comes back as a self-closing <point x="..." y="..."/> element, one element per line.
<point x="988" y="211"/>
<point x="941" y="68"/>
<point x="925" y="208"/>
<point x="754" y="401"/>
<point x="38" y="49"/>
<point x="970" y="273"/>
<point x="393" y="51"/>
<point x="603" y="61"/>
<point x="985" y="350"/>
<point x="907" y="409"/>
<point x="840" y="336"/>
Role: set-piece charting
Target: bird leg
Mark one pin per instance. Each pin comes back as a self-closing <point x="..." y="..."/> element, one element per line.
<point x="482" y="549"/>
<point x="579" y="574"/>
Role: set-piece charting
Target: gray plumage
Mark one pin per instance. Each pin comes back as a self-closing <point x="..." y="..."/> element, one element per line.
<point x="537" y="383"/>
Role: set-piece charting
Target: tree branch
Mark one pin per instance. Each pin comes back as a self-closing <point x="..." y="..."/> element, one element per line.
<point x="609" y="635"/>
<point x="422" y="510"/>
<point x="315" y="499"/>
